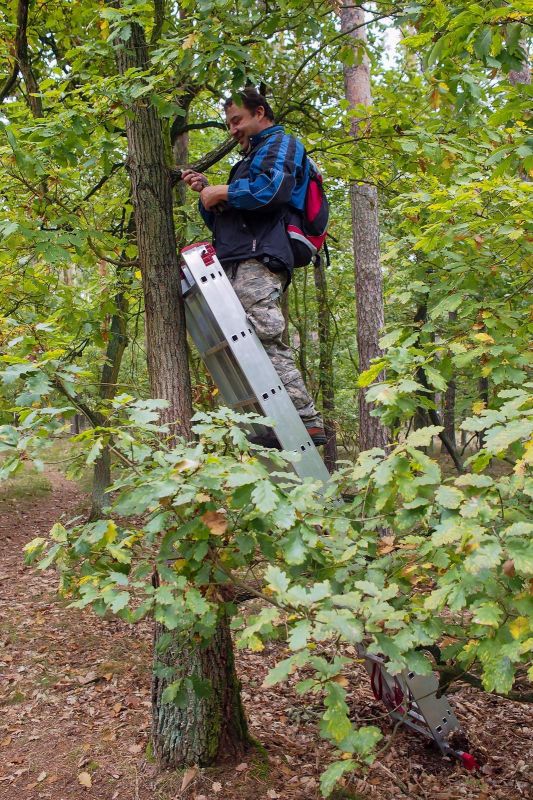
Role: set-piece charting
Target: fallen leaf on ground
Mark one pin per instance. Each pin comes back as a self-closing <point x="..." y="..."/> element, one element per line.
<point x="41" y="776"/>
<point x="135" y="748"/>
<point x="188" y="777"/>
<point x="89" y="678"/>
<point x="241" y="767"/>
<point x="85" y="779"/>
<point x="217" y="787"/>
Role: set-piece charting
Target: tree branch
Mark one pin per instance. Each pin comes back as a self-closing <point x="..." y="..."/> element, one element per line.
<point x="207" y="161"/>
<point x="19" y="47"/>
<point x="23" y="59"/>
<point x="159" y="19"/>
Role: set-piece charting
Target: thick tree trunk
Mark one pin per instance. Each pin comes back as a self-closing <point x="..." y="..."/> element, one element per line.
<point x="365" y="223"/>
<point x="166" y="342"/>
<point x="326" y="367"/>
<point x="212" y="728"/>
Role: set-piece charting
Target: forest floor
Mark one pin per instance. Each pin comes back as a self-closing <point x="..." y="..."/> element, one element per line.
<point x="75" y="704"/>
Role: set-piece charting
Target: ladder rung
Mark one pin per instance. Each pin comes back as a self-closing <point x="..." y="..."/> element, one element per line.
<point x="248" y="401"/>
<point x="215" y="349"/>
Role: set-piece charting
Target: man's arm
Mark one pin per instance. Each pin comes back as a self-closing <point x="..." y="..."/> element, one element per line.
<point x="273" y="174"/>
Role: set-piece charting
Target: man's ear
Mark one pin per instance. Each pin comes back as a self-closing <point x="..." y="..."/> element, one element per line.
<point x="260" y="112"/>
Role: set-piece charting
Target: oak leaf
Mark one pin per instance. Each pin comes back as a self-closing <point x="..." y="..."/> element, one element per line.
<point x="188" y="777"/>
<point x="85" y="779"/>
<point x="216" y="522"/>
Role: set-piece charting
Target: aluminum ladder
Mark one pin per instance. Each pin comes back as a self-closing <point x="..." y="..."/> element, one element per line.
<point x="246" y="380"/>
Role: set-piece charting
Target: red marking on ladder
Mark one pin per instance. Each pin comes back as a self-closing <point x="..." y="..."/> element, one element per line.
<point x="469" y="762"/>
<point x="394" y="698"/>
<point x="208" y="255"/>
<point x="195" y="246"/>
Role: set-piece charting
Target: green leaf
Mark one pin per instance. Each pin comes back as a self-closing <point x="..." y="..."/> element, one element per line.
<point x="300" y="634"/>
<point x="119" y="601"/>
<point x="498" y="675"/>
<point x="335" y="724"/>
<point x="175" y="693"/>
<point x="423" y="436"/>
<point x="499" y="438"/>
<point x="449" y="497"/>
<point x="294" y="548"/>
<point x="369" y="376"/>
<point x="485" y="557"/>
<point x="521" y="552"/>
<point x="435" y="379"/>
<point x="331" y="776"/>
<point x="284" y="668"/>
<point x="276" y="579"/>
<point x="365" y="739"/>
<point x="488" y="614"/>
<point x="265" y="496"/>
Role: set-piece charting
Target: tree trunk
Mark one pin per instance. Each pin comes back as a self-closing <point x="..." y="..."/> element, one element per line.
<point x="299" y="322"/>
<point x="118" y="339"/>
<point x="365" y="223"/>
<point x="210" y="729"/>
<point x="449" y="399"/>
<point x="449" y="412"/>
<point x="325" y="370"/>
<point x="207" y="729"/>
<point x="166" y="342"/>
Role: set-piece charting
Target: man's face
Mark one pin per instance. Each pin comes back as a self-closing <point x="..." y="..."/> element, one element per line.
<point x="243" y="124"/>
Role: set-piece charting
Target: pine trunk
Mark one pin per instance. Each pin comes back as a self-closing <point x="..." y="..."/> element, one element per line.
<point x="449" y="399"/>
<point x="326" y="367"/>
<point x="365" y="223"/>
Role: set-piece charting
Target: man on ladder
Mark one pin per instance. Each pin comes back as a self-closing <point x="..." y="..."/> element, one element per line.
<point x="247" y="219"/>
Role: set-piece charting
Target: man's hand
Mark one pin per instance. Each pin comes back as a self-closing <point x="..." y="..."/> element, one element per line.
<point x="196" y="180"/>
<point x="211" y="196"/>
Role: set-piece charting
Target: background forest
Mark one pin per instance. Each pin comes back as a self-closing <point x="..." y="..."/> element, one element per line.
<point x="414" y="341"/>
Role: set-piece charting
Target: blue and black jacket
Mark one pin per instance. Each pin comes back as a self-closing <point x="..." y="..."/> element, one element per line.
<point x="270" y="179"/>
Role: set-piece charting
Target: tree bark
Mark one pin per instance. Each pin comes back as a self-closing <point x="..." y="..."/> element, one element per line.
<point x="210" y="729"/>
<point x="118" y="339"/>
<point x="166" y="342"/>
<point x="365" y="223"/>
<point x="213" y="728"/>
<point x="449" y="400"/>
<point x="326" y="367"/>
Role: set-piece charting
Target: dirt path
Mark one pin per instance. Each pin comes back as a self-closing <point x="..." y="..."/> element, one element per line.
<point x="75" y="707"/>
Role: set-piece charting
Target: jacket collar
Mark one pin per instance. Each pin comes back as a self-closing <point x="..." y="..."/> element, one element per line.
<point x="254" y="140"/>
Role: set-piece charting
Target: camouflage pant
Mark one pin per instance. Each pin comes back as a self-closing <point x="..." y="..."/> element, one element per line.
<point x="259" y="291"/>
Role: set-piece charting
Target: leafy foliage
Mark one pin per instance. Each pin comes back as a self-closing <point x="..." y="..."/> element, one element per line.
<point x="448" y="143"/>
<point x="455" y="571"/>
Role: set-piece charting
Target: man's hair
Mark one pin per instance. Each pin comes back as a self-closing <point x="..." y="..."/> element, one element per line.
<point x="251" y="99"/>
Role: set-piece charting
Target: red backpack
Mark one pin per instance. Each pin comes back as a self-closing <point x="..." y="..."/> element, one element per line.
<point x="307" y="229"/>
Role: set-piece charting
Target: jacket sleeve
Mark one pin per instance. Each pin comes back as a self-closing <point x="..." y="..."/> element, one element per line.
<point x="207" y="216"/>
<point x="272" y="176"/>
